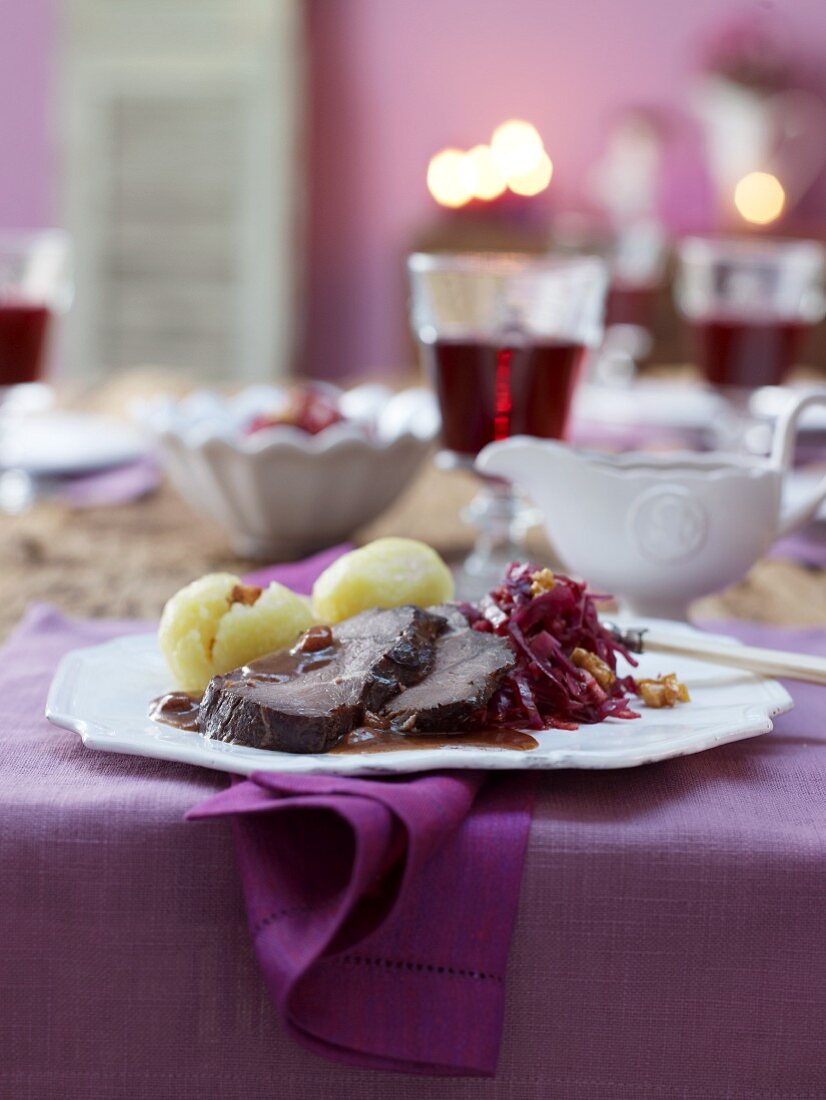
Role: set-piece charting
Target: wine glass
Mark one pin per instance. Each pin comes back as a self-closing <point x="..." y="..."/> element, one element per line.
<point x="503" y="337"/>
<point x="749" y="304"/>
<point x="636" y="253"/>
<point x="35" y="287"/>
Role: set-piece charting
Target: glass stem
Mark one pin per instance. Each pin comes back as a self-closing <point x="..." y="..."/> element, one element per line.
<point x="502" y="519"/>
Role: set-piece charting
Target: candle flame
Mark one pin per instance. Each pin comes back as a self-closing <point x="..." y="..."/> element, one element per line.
<point x="760" y="198"/>
<point x="515" y="160"/>
<point x="517" y="147"/>
<point x="489" y="183"/>
<point x="451" y="178"/>
<point x="531" y="183"/>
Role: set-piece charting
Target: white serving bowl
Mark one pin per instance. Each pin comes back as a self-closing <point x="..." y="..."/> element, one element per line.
<point x="280" y="492"/>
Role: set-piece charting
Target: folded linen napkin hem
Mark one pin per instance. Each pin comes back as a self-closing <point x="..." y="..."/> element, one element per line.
<point x="383" y="933"/>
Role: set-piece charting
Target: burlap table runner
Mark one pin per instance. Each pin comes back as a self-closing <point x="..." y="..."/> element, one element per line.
<point x="126" y="561"/>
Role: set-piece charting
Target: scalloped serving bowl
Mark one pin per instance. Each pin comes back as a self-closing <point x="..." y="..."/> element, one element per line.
<point x="279" y="492"/>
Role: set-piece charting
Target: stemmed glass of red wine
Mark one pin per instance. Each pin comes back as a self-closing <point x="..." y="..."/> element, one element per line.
<point x="748" y="304"/>
<point x="35" y="287"/>
<point x="503" y="337"/>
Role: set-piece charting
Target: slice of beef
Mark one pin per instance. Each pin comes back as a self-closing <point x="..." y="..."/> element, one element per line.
<point x="452" y="614"/>
<point x="468" y="668"/>
<point x="306" y="701"/>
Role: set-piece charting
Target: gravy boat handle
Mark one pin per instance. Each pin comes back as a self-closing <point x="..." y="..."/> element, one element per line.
<point x="782" y="457"/>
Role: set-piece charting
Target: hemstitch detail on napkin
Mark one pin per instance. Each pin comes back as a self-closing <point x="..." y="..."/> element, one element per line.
<point x="430" y="968"/>
<point x="271" y="918"/>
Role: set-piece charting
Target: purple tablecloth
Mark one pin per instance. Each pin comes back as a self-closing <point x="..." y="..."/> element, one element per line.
<point x="670" y="939"/>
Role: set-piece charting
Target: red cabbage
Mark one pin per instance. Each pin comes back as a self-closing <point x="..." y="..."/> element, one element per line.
<point x="546" y="689"/>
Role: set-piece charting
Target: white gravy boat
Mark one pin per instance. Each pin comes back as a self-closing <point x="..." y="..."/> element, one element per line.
<point x="658" y="530"/>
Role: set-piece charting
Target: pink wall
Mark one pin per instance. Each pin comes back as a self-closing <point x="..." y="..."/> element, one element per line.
<point x="25" y="129"/>
<point x="395" y="80"/>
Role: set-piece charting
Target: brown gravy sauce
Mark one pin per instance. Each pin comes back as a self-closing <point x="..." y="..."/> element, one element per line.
<point x="286" y="664"/>
<point x="367" y="739"/>
<point x="176" y="708"/>
<point x="179" y="709"/>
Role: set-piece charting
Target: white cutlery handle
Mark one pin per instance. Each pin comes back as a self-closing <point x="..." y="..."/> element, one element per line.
<point x="765" y="662"/>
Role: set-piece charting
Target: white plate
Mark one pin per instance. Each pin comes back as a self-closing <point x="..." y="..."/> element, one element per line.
<point x="642" y="404"/>
<point x="67" y="443"/>
<point x="103" y="694"/>
<point x="770" y="402"/>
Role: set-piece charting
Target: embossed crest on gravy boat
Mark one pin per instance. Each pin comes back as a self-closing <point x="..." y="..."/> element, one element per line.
<point x="658" y="530"/>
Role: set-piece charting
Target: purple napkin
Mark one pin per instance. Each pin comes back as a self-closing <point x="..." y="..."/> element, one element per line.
<point x="381" y="910"/>
<point x="298" y="575"/>
<point x="806" y="547"/>
<point x="107" y="488"/>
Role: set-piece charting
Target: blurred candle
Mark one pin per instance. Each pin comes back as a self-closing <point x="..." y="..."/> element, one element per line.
<point x="760" y="198"/>
<point x="489" y="183"/>
<point x="534" y="181"/>
<point x="517" y="148"/>
<point x="451" y="178"/>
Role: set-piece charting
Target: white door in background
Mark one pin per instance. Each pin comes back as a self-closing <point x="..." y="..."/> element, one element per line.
<point x="181" y="184"/>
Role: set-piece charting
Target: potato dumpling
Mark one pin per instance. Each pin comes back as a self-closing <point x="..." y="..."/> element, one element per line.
<point x="385" y="573"/>
<point x="217" y="623"/>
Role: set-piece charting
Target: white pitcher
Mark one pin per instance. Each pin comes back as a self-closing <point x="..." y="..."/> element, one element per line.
<point x="658" y="530"/>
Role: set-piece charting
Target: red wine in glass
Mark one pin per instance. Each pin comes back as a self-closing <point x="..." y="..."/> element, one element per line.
<point x="631" y="304"/>
<point x="747" y="353"/>
<point x="489" y="392"/>
<point x="23" y="332"/>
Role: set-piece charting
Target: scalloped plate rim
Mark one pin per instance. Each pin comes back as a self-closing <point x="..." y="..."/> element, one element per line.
<point x="144" y="737"/>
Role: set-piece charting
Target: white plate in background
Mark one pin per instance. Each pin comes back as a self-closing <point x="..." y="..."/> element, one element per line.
<point x="669" y="405"/>
<point x="769" y="402"/>
<point x="63" y="443"/>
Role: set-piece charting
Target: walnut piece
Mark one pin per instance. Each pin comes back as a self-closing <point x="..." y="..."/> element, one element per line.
<point x="603" y="675"/>
<point x="542" y="580"/>
<point x="664" y="691"/>
<point x="246" y="594"/>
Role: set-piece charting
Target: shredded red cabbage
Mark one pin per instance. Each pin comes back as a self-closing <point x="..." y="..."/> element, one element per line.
<point x="546" y="689"/>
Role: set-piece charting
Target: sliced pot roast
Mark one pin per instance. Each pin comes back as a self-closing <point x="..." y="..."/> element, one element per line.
<point x="467" y="670"/>
<point x="403" y="669"/>
<point x="305" y="701"/>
